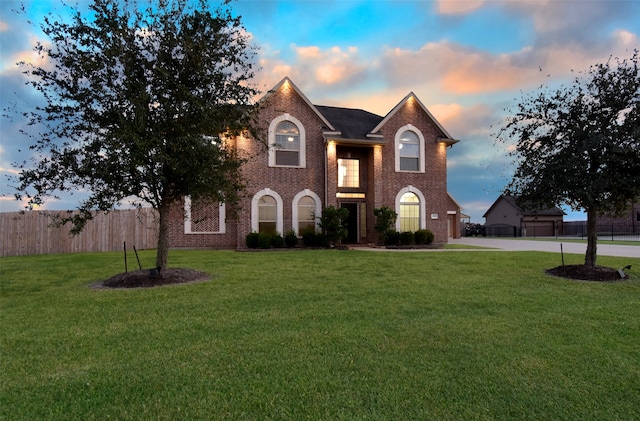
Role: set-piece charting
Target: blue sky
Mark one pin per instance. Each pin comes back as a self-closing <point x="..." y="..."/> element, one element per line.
<point x="465" y="59"/>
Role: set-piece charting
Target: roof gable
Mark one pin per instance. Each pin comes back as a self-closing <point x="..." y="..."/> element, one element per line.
<point x="286" y="81"/>
<point x="446" y="137"/>
<point x="524" y="210"/>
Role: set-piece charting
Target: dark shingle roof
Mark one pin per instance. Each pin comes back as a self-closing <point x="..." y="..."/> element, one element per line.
<point x="530" y="210"/>
<point x="352" y="123"/>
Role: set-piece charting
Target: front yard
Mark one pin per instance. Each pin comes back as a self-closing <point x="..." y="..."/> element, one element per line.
<point x="320" y="334"/>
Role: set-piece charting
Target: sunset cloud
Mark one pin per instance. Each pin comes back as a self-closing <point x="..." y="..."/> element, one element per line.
<point x="465" y="59"/>
<point x="454" y="7"/>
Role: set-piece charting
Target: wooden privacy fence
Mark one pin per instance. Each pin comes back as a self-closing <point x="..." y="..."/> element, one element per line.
<point x="33" y="232"/>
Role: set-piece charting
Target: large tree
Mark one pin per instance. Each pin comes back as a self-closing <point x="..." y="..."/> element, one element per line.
<point x="579" y="145"/>
<point x="139" y="99"/>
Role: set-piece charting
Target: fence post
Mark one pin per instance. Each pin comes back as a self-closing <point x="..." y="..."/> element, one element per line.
<point x="611" y="232"/>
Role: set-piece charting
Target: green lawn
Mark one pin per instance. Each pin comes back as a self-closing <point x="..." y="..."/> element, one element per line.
<point x="320" y="335"/>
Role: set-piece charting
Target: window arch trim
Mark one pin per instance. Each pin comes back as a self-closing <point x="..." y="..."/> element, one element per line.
<point x="421" y="158"/>
<point x="295" y="219"/>
<point x="255" y="220"/>
<point x="302" y="160"/>
<point x="423" y="206"/>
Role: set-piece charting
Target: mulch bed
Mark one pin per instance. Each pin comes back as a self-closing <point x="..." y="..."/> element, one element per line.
<point x="585" y="273"/>
<point x="143" y="278"/>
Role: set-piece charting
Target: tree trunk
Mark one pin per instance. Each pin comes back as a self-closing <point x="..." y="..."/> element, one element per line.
<point x="162" y="254"/>
<point x="592" y="239"/>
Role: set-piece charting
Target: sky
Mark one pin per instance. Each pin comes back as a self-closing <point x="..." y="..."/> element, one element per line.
<point x="466" y="60"/>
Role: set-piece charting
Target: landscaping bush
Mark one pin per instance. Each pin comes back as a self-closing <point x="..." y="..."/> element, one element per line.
<point x="309" y="237"/>
<point x="321" y="240"/>
<point x="252" y="240"/>
<point x="424" y="236"/>
<point x="430" y="237"/>
<point x="264" y="240"/>
<point x="407" y="238"/>
<point x="392" y="237"/>
<point x="385" y="219"/>
<point x="332" y="224"/>
<point x="277" y="241"/>
<point x="291" y="239"/>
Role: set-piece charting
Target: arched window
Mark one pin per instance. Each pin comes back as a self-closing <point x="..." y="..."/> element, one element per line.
<point x="411" y="209"/>
<point x="266" y="212"/>
<point x="306" y="208"/>
<point x="409" y="150"/>
<point x="409" y="144"/>
<point x="286" y="142"/>
<point x="306" y="214"/>
<point x="409" y="212"/>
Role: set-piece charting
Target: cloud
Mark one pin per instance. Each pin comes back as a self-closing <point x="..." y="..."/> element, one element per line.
<point x="315" y="70"/>
<point x="456" y="7"/>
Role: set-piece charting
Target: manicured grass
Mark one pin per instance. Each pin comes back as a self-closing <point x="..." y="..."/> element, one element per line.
<point x="320" y="335"/>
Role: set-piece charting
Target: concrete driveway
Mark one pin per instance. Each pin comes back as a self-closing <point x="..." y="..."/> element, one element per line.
<point x="517" y="244"/>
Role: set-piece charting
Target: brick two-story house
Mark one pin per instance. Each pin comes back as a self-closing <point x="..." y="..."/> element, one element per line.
<point x="320" y="156"/>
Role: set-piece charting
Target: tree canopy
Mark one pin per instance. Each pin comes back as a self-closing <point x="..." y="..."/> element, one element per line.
<point x="579" y="145"/>
<point x="139" y="101"/>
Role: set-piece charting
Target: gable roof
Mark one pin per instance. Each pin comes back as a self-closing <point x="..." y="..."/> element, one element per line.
<point x="355" y="125"/>
<point x="446" y="137"/>
<point x="288" y="81"/>
<point x="525" y="211"/>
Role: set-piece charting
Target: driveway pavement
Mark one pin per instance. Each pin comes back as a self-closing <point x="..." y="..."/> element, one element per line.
<point x="517" y="244"/>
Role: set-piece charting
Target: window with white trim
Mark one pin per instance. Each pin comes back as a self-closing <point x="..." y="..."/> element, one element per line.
<point x="286" y="142"/>
<point x="267" y="214"/>
<point x="306" y="208"/>
<point x="306" y="214"/>
<point x="409" y="149"/>
<point x="204" y="218"/>
<point x="409" y="212"/>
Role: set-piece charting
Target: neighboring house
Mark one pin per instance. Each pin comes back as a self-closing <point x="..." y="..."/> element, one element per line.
<point x="628" y="221"/>
<point x="506" y="218"/>
<point x="320" y="156"/>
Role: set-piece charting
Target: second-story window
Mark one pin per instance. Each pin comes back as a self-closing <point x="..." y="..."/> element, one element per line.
<point x="409" y="150"/>
<point x="287" y="146"/>
<point x="348" y="173"/>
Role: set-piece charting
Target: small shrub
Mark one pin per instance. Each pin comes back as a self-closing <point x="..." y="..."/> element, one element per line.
<point x="333" y="225"/>
<point x="392" y="237"/>
<point x="277" y="241"/>
<point x="321" y="240"/>
<point x="407" y="238"/>
<point x="385" y="219"/>
<point x="420" y="236"/>
<point x="252" y="240"/>
<point x="291" y="239"/>
<point x="430" y="237"/>
<point x="264" y="240"/>
<point x="309" y="237"/>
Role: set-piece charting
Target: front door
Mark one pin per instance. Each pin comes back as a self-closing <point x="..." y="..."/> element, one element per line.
<point x="351" y="222"/>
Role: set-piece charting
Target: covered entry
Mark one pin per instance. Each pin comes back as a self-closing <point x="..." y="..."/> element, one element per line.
<point x="351" y="222"/>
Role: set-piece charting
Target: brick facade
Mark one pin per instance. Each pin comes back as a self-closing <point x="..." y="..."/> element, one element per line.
<point x="330" y="134"/>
